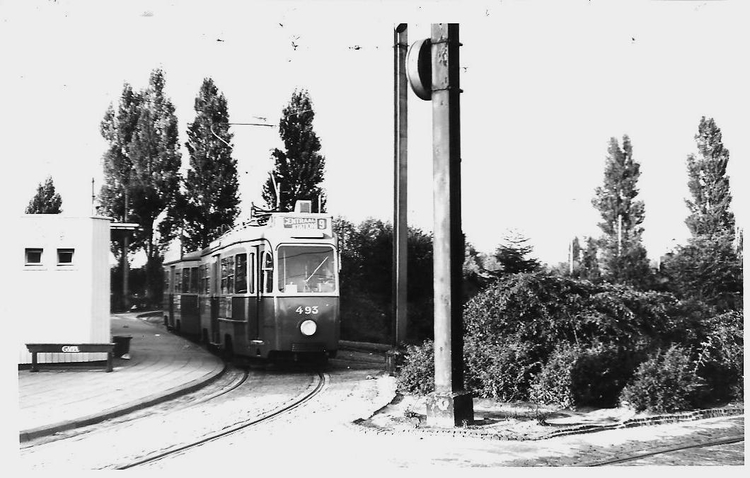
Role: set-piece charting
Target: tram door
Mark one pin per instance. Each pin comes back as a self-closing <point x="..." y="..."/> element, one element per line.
<point x="215" y="282"/>
<point x="253" y="312"/>
<point x="170" y="292"/>
<point x="264" y="289"/>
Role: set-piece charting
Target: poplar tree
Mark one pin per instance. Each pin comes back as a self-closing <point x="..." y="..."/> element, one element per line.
<point x="46" y="200"/>
<point x="709" y="184"/>
<point x="211" y="202"/>
<point x="141" y="167"/>
<point x="118" y="128"/>
<point x="709" y="267"/>
<point x="299" y="169"/>
<point x="623" y="257"/>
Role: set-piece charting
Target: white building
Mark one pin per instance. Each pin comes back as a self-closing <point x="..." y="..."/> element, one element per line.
<point x="58" y="288"/>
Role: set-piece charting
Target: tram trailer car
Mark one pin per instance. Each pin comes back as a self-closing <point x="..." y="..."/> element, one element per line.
<point x="181" y="301"/>
<point x="268" y="288"/>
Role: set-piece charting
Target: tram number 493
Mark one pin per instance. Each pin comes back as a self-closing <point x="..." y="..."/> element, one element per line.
<point x="307" y="310"/>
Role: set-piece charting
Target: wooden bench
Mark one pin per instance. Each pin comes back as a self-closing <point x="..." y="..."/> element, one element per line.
<point x="70" y="348"/>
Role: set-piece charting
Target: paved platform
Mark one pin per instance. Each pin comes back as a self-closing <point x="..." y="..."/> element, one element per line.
<point x="161" y="366"/>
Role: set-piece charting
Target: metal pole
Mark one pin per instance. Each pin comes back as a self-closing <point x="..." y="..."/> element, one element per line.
<point x="450" y="405"/>
<point x="125" y="265"/>
<point x="400" y="225"/>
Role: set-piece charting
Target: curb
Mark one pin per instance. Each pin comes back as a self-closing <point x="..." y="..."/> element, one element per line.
<point x="47" y="430"/>
<point x="365" y="425"/>
<point x="149" y="401"/>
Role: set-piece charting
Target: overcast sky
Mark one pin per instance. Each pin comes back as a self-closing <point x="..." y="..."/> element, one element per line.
<point x="545" y="87"/>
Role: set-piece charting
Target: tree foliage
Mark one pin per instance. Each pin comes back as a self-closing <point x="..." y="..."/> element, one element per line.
<point x="299" y="168"/>
<point x="560" y="340"/>
<point x="623" y="254"/>
<point x="118" y="128"/>
<point x="46" y="200"/>
<point x="709" y="267"/>
<point x="589" y="267"/>
<point x="143" y="159"/>
<point x="366" y="281"/>
<point x="512" y="255"/>
<point x="211" y="201"/>
<point x="709" y="183"/>
<point x="141" y="165"/>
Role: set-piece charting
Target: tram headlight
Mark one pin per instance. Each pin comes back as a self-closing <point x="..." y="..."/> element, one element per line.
<point x="308" y="327"/>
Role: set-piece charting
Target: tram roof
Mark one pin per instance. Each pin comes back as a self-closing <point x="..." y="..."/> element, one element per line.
<point x="277" y="228"/>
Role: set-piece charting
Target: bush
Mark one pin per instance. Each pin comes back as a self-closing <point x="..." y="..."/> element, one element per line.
<point x="665" y="382"/>
<point x="501" y="370"/>
<point x="600" y="374"/>
<point x="364" y="319"/>
<point x="576" y="377"/>
<point x="554" y="384"/>
<point x="417" y="375"/>
<point x="721" y="357"/>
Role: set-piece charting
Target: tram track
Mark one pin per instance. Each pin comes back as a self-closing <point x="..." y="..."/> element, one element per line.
<point x="322" y="382"/>
<point x="664" y="451"/>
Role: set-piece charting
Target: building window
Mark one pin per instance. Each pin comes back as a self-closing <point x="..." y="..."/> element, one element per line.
<point x="65" y="257"/>
<point x="33" y="256"/>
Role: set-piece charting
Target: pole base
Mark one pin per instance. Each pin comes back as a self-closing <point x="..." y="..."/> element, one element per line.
<point x="448" y="410"/>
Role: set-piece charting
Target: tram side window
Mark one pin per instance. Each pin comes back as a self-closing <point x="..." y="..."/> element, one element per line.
<point x="224" y="275"/>
<point x="204" y="279"/>
<point x="177" y="287"/>
<point x="227" y="275"/>
<point x="194" y="280"/>
<point x="240" y="284"/>
<point x="268" y="271"/>
<point x="185" y="280"/>
<point x="252" y="266"/>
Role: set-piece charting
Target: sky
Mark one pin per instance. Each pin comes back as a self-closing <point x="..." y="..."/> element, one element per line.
<point x="545" y="86"/>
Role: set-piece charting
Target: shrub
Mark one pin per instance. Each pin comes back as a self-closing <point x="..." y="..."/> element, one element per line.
<point x="501" y="370"/>
<point x="553" y="385"/>
<point x="721" y="357"/>
<point x="417" y="375"/>
<point x="665" y="382"/>
<point x="364" y="319"/>
<point x="600" y="373"/>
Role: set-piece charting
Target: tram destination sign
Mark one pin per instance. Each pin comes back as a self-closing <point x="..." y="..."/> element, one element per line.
<point x="305" y="223"/>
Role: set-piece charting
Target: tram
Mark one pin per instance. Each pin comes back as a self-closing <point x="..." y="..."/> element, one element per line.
<point x="267" y="288"/>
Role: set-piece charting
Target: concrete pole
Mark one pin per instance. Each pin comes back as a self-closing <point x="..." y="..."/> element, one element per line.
<point x="450" y="405"/>
<point x="400" y="225"/>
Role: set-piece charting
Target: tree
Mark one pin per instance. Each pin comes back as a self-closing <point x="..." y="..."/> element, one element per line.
<point x="589" y="268"/>
<point x="141" y="166"/>
<point x="623" y="255"/>
<point x="709" y="183"/>
<point x="118" y="128"/>
<point x="709" y="267"/>
<point x="46" y="200"/>
<point x="211" y="201"/>
<point x="512" y="255"/>
<point x="299" y="169"/>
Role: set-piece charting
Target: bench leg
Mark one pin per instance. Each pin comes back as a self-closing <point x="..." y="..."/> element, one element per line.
<point x="34" y="367"/>
<point x="109" y="361"/>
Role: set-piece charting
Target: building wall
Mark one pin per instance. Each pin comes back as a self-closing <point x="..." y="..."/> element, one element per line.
<point x="61" y="302"/>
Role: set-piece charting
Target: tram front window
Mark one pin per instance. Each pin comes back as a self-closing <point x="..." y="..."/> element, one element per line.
<point x="306" y="269"/>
